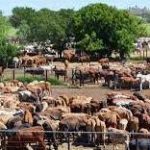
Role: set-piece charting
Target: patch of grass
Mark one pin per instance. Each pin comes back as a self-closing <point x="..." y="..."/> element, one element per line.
<point x="55" y="81"/>
<point x="29" y="79"/>
<point x="138" y="58"/>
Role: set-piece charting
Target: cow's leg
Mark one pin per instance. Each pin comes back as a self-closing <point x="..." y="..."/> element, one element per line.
<point x="103" y="139"/>
<point x="55" y="145"/>
<point x="41" y="144"/>
<point x="141" y="86"/>
<point x="49" y="144"/>
<point x="29" y="147"/>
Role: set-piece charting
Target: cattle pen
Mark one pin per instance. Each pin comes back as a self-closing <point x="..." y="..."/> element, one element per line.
<point x="66" y="141"/>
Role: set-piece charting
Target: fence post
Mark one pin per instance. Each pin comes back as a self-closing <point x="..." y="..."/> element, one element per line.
<point x="5" y="141"/>
<point x="46" y="75"/>
<point x="24" y="71"/>
<point x="80" y="78"/>
<point x="73" y="76"/>
<point x="14" y="72"/>
<point x="68" y="140"/>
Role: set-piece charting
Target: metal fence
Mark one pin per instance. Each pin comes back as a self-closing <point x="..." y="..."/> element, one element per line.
<point x="71" y="141"/>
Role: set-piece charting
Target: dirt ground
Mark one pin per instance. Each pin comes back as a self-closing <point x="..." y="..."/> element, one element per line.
<point x="97" y="92"/>
<point x="110" y="147"/>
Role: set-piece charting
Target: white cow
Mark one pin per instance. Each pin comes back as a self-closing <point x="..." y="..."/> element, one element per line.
<point x="143" y="79"/>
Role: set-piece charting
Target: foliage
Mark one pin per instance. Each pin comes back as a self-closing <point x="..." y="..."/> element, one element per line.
<point x="23" y="31"/>
<point x="96" y="27"/>
<point x="12" y="32"/>
<point x="146" y="26"/>
<point x="42" y="25"/>
<point x="7" y="51"/>
<point x="90" y="42"/>
<point x="4" y="27"/>
<point x="20" y="14"/>
<point x="100" y="27"/>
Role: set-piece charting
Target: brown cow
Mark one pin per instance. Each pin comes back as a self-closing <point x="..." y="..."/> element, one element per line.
<point x="28" y="117"/>
<point x="26" y="136"/>
<point x="84" y="59"/>
<point x="100" y="127"/>
<point x="104" y="61"/>
<point x="69" y="54"/>
<point x="133" y="124"/>
<point x="111" y="118"/>
<point x="41" y="87"/>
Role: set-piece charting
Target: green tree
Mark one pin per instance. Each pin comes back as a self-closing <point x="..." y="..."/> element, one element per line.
<point x="43" y="25"/>
<point x="7" y="51"/>
<point x="113" y="29"/>
<point x="20" y="14"/>
<point x="23" y="31"/>
<point x="4" y="26"/>
<point x="90" y="42"/>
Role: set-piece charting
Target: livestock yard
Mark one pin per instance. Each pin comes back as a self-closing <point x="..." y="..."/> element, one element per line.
<point x="74" y="79"/>
<point x="99" y="113"/>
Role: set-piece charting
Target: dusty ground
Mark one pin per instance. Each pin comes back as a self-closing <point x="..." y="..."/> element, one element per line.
<point x="97" y="92"/>
<point x="65" y="147"/>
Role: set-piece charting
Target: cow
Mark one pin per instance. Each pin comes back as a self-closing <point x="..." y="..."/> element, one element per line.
<point x="25" y="136"/>
<point x="116" y="136"/>
<point x="69" y="54"/>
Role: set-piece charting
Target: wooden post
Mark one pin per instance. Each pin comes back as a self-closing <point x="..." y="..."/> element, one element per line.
<point x="24" y="71"/>
<point x="80" y="78"/>
<point x="143" y="53"/>
<point x="73" y="76"/>
<point x="5" y="148"/>
<point x="14" y="70"/>
<point x="68" y="141"/>
<point x="46" y="75"/>
<point x="146" y="51"/>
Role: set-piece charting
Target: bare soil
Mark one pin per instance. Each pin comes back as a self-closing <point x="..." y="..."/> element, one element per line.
<point x="97" y="91"/>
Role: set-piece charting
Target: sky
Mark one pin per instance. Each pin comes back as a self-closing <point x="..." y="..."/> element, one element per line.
<point x="7" y="5"/>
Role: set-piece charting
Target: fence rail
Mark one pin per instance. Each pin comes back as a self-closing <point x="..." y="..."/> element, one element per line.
<point x="71" y="132"/>
<point x="68" y="141"/>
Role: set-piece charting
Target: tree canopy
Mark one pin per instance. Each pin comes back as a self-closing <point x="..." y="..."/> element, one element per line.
<point x="7" y="51"/>
<point x="99" y="26"/>
<point x="43" y="25"/>
<point x="96" y="27"/>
